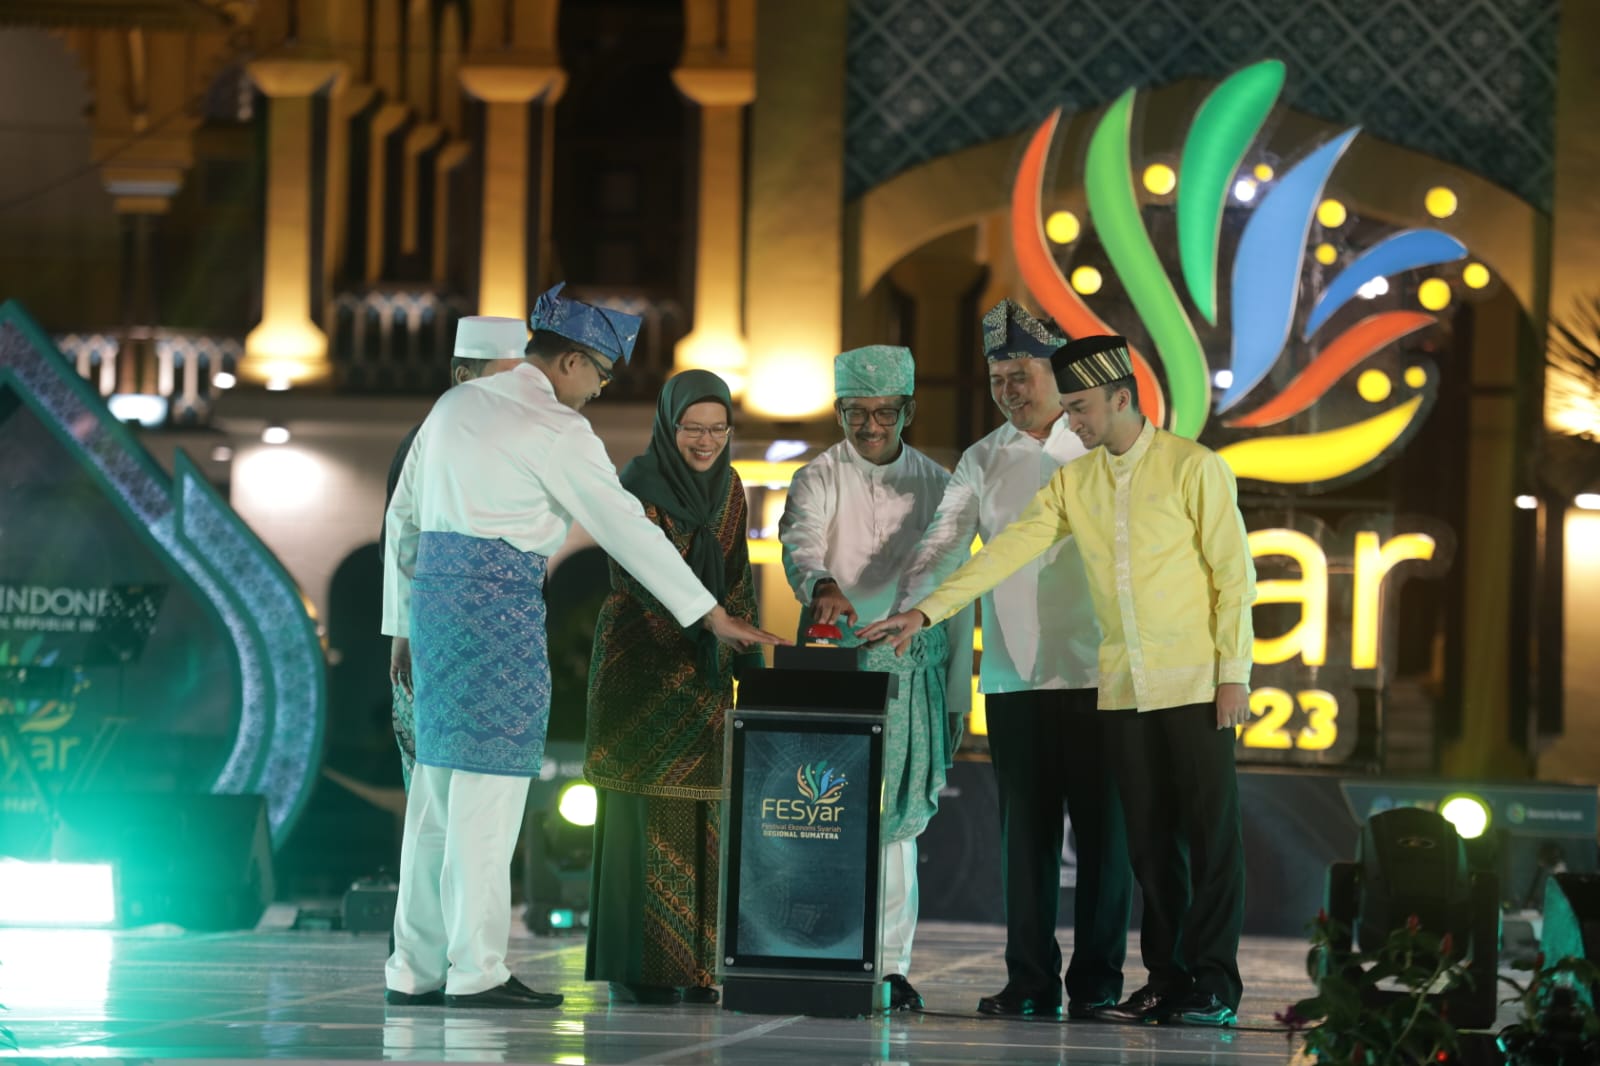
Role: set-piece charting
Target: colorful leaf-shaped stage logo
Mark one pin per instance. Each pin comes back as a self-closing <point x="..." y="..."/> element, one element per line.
<point x="818" y="783"/>
<point x="1268" y="279"/>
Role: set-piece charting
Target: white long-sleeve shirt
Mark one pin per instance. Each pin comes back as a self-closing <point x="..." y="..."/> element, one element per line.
<point x="501" y="457"/>
<point x="1039" y="629"/>
<point x="859" y="523"/>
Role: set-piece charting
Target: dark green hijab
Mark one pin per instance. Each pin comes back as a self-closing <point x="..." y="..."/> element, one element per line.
<point x="694" y="500"/>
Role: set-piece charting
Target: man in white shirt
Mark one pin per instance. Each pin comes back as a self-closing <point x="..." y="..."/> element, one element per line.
<point x="485" y="345"/>
<point x="500" y="470"/>
<point x="1038" y="677"/>
<point x="849" y="527"/>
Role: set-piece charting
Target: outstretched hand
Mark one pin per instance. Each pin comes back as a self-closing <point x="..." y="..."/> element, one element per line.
<point x="737" y="633"/>
<point x="829" y="605"/>
<point x="897" y="629"/>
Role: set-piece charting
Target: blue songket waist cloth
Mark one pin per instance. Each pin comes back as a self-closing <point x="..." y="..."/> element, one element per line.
<point x="479" y="662"/>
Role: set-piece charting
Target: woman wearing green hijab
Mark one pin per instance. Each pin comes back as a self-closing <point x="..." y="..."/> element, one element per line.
<point x="657" y="697"/>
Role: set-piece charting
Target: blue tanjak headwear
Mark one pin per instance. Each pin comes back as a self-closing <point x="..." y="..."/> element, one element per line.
<point x="1009" y="332"/>
<point x="611" y="333"/>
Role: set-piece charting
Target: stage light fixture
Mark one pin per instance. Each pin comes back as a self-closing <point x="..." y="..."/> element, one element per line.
<point x="1527" y="503"/>
<point x="564" y="919"/>
<point x="1468" y="813"/>
<point x="558" y="851"/>
<point x="222" y="379"/>
<point x="57" y="893"/>
<point x="1411" y="867"/>
<point x="275" y="434"/>
<point x="577" y="803"/>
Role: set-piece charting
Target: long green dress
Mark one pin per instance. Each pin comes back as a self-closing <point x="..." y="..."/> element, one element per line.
<point x="655" y="738"/>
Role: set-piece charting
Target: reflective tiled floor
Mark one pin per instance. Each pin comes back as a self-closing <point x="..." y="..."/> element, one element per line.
<point x="318" y="996"/>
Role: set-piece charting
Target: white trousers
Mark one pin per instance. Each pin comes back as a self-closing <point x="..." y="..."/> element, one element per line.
<point x="899" y="922"/>
<point x="452" y="922"/>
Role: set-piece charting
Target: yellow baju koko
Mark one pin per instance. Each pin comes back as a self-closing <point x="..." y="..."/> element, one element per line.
<point x="1168" y="563"/>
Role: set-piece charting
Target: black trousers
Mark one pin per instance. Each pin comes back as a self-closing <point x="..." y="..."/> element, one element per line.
<point x="1181" y="798"/>
<point x="1050" y="747"/>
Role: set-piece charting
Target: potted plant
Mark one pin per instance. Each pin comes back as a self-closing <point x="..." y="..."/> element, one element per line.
<point x="1558" y="1026"/>
<point x="1381" y="1007"/>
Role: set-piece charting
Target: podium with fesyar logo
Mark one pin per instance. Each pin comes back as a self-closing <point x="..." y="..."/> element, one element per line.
<point x="801" y="883"/>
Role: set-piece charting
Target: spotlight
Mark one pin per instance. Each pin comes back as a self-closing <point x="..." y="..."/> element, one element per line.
<point x="275" y="434"/>
<point x="1587" y="501"/>
<point x="1222" y="379"/>
<point x="57" y="893"/>
<point x="1527" y="503"/>
<point x="577" y="803"/>
<point x="1468" y="813"/>
<point x="222" y="379"/>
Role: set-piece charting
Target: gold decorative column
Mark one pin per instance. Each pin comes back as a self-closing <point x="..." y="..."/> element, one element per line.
<point x="1574" y="278"/>
<point x="503" y="273"/>
<point x="1485" y="749"/>
<point x="287" y="348"/>
<point x="717" y="341"/>
<point x="794" y="269"/>
<point x="345" y="103"/>
<point x="388" y="118"/>
<point x="420" y="140"/>
<point x="450" y="157"/>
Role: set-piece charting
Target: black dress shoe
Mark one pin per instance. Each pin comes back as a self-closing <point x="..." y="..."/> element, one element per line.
<point x="513" y="995"/>
<point x="1145" y="1007"/>
<point x="901" y="995"/>
<point x="700" y="995"/>
<point x="515" y="984"/>
<point x="648" y="995"/>
<point x="1088" y="1010"/>
<point x="1015" y="1003"/>
<point x="414" y="999"/>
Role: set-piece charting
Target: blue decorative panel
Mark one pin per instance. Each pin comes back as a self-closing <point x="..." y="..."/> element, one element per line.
<point x="1471" y="82"/>
<point x="223" y="689"/>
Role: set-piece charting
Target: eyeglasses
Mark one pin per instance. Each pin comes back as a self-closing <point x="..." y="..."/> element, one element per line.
<point x="606" y="376"/>
<point x="856" y="417"/>
<point x="694" y="432"/>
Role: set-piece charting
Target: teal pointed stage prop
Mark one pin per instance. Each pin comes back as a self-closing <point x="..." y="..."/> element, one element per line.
<point x="149" y="642"/>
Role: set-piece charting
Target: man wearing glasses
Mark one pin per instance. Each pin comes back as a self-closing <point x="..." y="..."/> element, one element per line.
<point x="850" y="527"/>
<point x="501" y="469"/>
<point x="1041" y="643"/>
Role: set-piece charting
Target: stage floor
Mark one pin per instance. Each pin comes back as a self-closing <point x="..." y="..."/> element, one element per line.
<point x="290" y="995"/>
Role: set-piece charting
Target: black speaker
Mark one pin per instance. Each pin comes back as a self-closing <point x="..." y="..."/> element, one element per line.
<point x="198" y="860"/>
<point x="1571" y="917"/>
